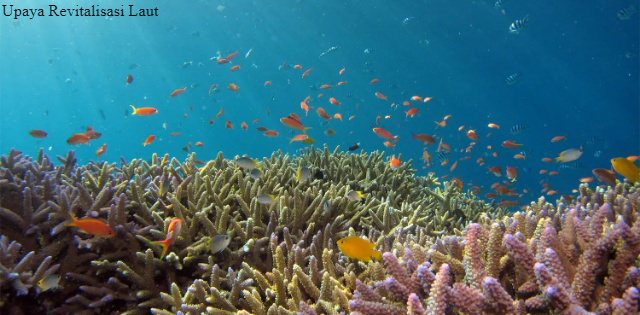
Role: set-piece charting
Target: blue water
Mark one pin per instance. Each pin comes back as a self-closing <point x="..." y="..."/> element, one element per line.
<point x="58" y="73"/>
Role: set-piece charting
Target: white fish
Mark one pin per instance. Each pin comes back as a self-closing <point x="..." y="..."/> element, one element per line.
<point x="219" y="243"/>
<point x="255" y="174"/>
<point x="248" y="53"/>
<point x="569" y="155"/>
<point x="266" y="199"/>
<point x="49" y="282"/>
<point x="247" y="163"/>
<point x="355" y="195"/>
<point x="303" y="174"/>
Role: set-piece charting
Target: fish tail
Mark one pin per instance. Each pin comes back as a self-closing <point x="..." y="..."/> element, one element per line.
<point x="164" y="244"/>
<point x="73" y="219"/>
<point x="413" y="136"/>
<point x="513" y="180"/>
<point x="134" y="110"/>
<point x="377" y="255"/>
<point x="304" y="130"/>
<point x="438" y="124"/>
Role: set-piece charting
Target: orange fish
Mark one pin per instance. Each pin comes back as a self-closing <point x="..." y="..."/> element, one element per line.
<point x="548" y="160"/>
<point x="406" y="103"/>
<point x="211" y="121"/>
<point x="352" y="117"/>
<point x="177" y="92"/>
<point x="510" y="144"/>
<point x="173" y="231"/>
<point x="334" y="101"/>
<point x="342" y="82"/>
<point x="173" y="134"/>
<point x="261" y="128"/>
<point x="144" y="111"/>
<point x="494" y="126"/>
<point x="385" y="134"/>
<point x="319" y="95"/>
<point x="231" y="56"/>
<point x="461" y="127"/>
<point x="325" y="86"/>
<point x="374" y="81"/>
<point x="185" y="115"/>
<point x="426" y="99"/>
<point x="267" y="83"/>
<point x="471" y="134"/>
<point x="519" y="157"/>
<point x="92" y="226"/>
<point x="222" y="61"/>
<point x="243" y="126"/>
<point x="558" y="138"/>
<point x="305" y="107"/>
<point x="299" y="138"/>
<point x="149" y="140"/>
<point x="294" y="115"/>
<point x="255" y="121"/>
<point x="228" y="125"/>
<point x="496" y="171"/>
<point x="453" y="167"/>
<point x="78" y="138"/>
<point x="443" y="123"/>
<point x="234" y="68"/>
<point x="199" y="144"/>
<point x="427" y="139"/>
<point x="323" y="114"/>
<point x="586" y="179"/>
<point x="284" y="66"/>
<point x="412" y="112"/>
<point x="233" y="87"/>
<point x="543" y="171"/>
<point x="294" y="124"/>
<point x="213" y="86"/>
<point x="380" y="96"/>
<point x="551" y="192"/>
<point x="38" y="133"/>
<point x="394" y="163"/>
<point x="337" y="116"/>
<point x="220" y="112"/>
<point x="342" y="71"/>
<point x="389" y="144"/>
<point x="271" y="133"/>
<point x="129" y="79"/>
<point x="306" y="73"/>
<point x="101" y="150"/>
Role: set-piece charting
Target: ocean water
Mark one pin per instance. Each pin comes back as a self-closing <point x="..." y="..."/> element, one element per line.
<point x="578" y="64"/>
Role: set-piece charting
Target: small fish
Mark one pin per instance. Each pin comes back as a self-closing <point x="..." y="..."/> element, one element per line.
<point x="38" y="133"/>
<point x="512" y="173"/>
<point x="164" y="187"/>
<point x="605" y="175"/>
<point x="78" y="138"/>
<point x="92" y="226"/>
<point x="593" y="140"/>
<point x="598" y="153"/>
<point x="569" y="155"/>
<point x="518" y="129"/>
<point x="144" y="111"/>
<point x="173" y="231"/>
<point x="101" y="150"/>
<point x="303" y="174"/>
<point x="499" y="3"/>
<point x="218" y="243"/>
<point x="49" y="282"/>
<point x="309" y="140"/>
<point x="266" y="199"/>
<point x="358" y="248"/>
<point x="294" y="124"/>
<point x="233" y="87"/>
<point x="517" y="25"/>
<point x="177" y="92"/>
<point x="319" y="175"/>
<point x="247" y="163"/>
<point x="354" y="146"/>
<point x="626" y="13"/>
<point x="129" y="79"/>
<point x="248" y="53"/>
<point x="513" y="78"/>
<point x="149" y="140"/>
<point x="571" y="166"/>
<point x="330" y="132"/>
<point x="355" y="195"/>
<point x="255" y="173"/>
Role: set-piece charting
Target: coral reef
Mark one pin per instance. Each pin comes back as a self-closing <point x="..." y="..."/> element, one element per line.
<point x="458" y="254"/>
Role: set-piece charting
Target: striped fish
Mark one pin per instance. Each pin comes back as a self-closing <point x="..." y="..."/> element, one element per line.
<point x="571" y="166"/>
<point x="518" y="129"/>
<point x="499" y="3"/>
<point x="593" y="140"/>
<point x="626" y="13"/>
<point x="518" y="25"/>
<point x="513" y="78"/>
<point x="442" y="156"/>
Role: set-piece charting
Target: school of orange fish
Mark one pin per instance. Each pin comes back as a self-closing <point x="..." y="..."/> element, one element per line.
<point x="294" y="121"/>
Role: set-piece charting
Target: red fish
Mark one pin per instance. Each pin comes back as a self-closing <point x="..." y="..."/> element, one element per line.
<point x="512" y="173"/>
<point x="374" y="81"/>
<point x="334" y="101"/>
<point x="294" y="124"/>
<point x="101" y="150"/>
<point x="471" y="134"/>
<point x="381" y="96"/>
<point x="149" y="140"/>
<point x="510" y="144"/>
<point x="271" y="133"/>
<point x="385" y="134"/>
<point x="427" y="139"/>
<point x="92" y="226"/>
<point x="78" y="138"/>
<point x="173" y="231"/>
<point x="412" y="112"/>
<point x="177" y="92"/>
<point x="38" y="133"/>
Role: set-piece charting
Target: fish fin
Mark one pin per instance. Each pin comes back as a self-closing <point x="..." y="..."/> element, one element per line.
<point x="163" y="244"/>
<point x="513" y="180"/>
<point x="377" y="255"/>
<point x="72" y="219"/>
<point x="134" y="110"/>
<point x="304" y="130"/>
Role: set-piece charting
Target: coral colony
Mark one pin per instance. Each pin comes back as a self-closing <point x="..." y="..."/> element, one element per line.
<point x="87" y="240"/>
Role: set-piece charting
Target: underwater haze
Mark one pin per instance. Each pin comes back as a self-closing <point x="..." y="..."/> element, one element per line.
<point x="536" y="69"/>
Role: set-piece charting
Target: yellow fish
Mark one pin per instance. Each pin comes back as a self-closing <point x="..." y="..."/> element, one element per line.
<point x="355" y="247"/>
<point x="626" y="168"/>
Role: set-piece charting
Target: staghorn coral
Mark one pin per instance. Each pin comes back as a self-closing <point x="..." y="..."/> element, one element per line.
<point x="282" y="258"/>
